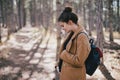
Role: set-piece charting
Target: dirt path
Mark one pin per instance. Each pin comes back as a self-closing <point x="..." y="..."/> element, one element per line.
<point x="32" y="57"/>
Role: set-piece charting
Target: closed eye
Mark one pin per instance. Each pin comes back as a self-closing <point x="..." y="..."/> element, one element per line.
<point x="62" y="25"/>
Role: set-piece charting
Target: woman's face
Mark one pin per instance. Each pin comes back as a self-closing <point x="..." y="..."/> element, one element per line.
<point x="65" y="26"/>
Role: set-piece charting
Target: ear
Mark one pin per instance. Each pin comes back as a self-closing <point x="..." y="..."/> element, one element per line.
<point x="70" y="22"/>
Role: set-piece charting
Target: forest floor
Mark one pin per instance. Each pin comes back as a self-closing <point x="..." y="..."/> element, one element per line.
<point x="31" y="55"/>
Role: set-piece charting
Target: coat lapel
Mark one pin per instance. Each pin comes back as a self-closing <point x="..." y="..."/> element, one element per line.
<point x="80" y="29"/>
<point x="62" y="46"/>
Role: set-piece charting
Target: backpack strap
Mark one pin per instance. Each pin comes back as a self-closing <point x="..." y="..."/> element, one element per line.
<point x="84" y="33"/>
<point x="77" y="37"/>
<point x="91" y="41"/>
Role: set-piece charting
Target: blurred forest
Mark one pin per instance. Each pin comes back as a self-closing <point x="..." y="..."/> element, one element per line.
<point x="101" y="19"/>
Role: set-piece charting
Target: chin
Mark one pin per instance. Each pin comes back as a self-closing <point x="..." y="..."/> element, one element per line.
<point x="68" y="31"/>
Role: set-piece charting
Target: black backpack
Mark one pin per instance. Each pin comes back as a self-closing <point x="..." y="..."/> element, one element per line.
<point x="93" y="59"/>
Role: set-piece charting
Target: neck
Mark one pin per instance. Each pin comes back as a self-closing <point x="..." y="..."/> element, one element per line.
<point x="75" y="27"/>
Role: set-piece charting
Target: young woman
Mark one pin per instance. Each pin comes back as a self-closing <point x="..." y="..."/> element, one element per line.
<point x="75" y="48"/>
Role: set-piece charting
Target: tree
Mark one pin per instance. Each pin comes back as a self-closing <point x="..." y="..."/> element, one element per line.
<point x="110" y="9"/>
<point x="99" y="23"/>
<point x="118" y="15"/>
<point x="84" y="14"/>
<point x="105" y="19"/>
<point x="90" y="16"/>
<point x="58" y="28"/>
<point x="21" y="13"/>
<point x="9" y="16"/>
<point x="100" y="38"/>
<point x="3" y="11"/>
<point x="67" y="3"/>
<point x="33" y="12"/>
<point x="118" y="9"/>
<point x="81" y="7"/>
<point x="1" y="7"/>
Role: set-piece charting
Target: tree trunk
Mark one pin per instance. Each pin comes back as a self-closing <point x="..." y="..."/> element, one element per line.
<point x="110" y="20"/>
<point x="106" y="20"/>
<point x="40" y="13"/>
<point x="1" y="7"/>
<point x="31" y="13"/>
<point x="99" y="25"/>
<point x="90" y="16"/>
<point x="118" y="16"/>
<point x="50" y="16"/>
<point x="4" y="14"/>
<point x="24" y="17"/>
<point x="35" y="12"/>
<point x="9" y="14"/>
<point x="58" y="29"/>
<point x="14" y="21"/>
<point x="2" y="17"/>
<point x="105" y="72"/>
<point x="67" y="3"/>
<point x="21" y="13"/>
<point x="84" y="14"/>
<point x="80" y="11"/>
<point x="45" y="14"/>
<point x="118" y="9"/>
<point x="0" y="35"/>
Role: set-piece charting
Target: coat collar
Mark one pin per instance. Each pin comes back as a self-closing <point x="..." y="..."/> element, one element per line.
<point x="80" y="29"/>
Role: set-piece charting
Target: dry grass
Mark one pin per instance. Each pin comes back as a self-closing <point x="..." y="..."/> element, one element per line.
<point x="116" y="35"/>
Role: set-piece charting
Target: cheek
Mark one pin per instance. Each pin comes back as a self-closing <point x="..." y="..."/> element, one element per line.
<point x="66" y="27"/>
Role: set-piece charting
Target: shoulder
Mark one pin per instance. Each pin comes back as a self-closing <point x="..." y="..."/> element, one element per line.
<point x="83" y="35"/>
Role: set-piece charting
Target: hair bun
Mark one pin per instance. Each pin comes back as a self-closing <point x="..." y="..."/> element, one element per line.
<point x="68" y="9"/>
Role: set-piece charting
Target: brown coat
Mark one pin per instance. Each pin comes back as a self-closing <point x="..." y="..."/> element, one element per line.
<point x="77" y="50"/>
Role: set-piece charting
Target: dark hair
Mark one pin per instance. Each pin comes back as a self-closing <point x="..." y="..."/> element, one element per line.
<point x="67" y="15"/>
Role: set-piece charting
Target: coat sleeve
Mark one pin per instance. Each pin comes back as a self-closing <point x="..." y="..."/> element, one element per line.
<point x="83" y="49"/>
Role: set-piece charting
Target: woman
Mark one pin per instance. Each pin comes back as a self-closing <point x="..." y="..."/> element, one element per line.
<point x="75" y="48"/>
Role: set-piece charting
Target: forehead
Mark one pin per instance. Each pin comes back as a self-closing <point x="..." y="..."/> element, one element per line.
<point x="61" y="23"/>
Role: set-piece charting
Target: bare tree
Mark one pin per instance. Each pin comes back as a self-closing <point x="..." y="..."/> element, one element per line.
<point x="118" y="15"/>
<point x="99" y="23"/>
<point x="58" y="28"/>
<point x="110" y="20"/>
<point x="81" y="5"/>
<point x="1" y="7"/>
<point x="4" y="17"/>
<point x="9" y="16"/>
<point x="100" y="38"/>
<point x="90" y="16"/>
<point x="46" y="11"/>
<point x="118" y="9"/>
<point x="67" y="3"/>
<point x="21" y="13"/>
<point x="33" y="12"/>
<point x="84" y="14"/>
